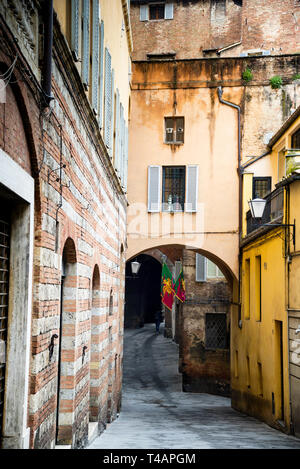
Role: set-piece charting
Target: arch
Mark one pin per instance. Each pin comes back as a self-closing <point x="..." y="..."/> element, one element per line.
<point x="95" y="348"/>
<point x="223" y="265"/>
<point x="30" y="122"/>
<point x="67" y="354"/>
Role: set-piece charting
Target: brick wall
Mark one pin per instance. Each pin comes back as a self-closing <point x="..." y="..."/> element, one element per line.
<point x="203" y="369"/>
<point x="200" y="26"/>
<point x="80" y="218"/>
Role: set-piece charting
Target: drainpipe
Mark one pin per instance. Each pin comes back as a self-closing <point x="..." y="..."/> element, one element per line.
<point x="240" y="173"/>
<point x="48" y="44"/>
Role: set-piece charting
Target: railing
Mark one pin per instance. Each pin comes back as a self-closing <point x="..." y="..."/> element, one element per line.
<point x="273" y="211"/>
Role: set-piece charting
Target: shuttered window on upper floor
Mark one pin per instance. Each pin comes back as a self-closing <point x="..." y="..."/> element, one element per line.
<point x="107" y="100"/>
<point x="85" y="71"/>
<point x="156" y="11"/>
<point x="95" y="55"/>
<point x="75" y="29"/>
<point x="172" y="188"/>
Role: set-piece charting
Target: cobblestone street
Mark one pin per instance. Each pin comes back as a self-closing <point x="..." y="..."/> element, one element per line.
<point x="156" y="414"/>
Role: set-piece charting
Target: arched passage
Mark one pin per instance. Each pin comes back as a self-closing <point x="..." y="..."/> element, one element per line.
<point x="200" y="325"/>
<point x="142" y="292"/>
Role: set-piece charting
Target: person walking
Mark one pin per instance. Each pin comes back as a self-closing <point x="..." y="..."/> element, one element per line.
<point x="158" y="320"/>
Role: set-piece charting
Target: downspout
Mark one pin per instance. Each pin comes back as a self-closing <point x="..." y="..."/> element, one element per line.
<point x="240" y="174"/>
<point x="48" y="45"/>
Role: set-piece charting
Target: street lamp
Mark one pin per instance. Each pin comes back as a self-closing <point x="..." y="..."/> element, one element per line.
<point x="135" y="267"/>
<point x="257" y="207"/>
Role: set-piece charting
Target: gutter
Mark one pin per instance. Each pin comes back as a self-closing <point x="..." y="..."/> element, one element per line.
<point x="240" y="173"/>
<point x="48" y="46"/>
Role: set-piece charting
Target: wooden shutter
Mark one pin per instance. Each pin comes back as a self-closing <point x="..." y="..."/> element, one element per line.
<point x="95" y="56"/>
<point x="168" y="11"/>
<point x="112" y="115"/>
<point x="107" y="99"/>
<point x="117" y="136"/>
<point x="200" y="268"/>
<point x="75" y="29"/>
<point x="86" y="41"/>
<point x="125" y="158"/>
<point x="100" y="105"/>
<point x="144" y="13"/>
<point x="192" y="188"/>
<point x="154" y="188"/>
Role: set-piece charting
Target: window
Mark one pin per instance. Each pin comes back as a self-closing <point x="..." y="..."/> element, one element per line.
<point x="174" y="129"/>
<point x="215" y="331"/>
<point x="261" y="187"/>
<point x="173" y="196"/>
<point x="296" y="139"/>
<point x="172" y="188"/>
<point x="213" y="270"/>
<point x="156" y="11"/>
<point x="258" y="288"/>
<point x="247" y="289"/>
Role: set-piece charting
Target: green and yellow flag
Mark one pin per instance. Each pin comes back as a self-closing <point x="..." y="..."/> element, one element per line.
<point x="167" y="287"/>
<point x="180" y="287"/>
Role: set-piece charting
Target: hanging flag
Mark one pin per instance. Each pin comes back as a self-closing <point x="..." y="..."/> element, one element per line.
<point x="167" y="287"/>
<point x="180" y="287"/>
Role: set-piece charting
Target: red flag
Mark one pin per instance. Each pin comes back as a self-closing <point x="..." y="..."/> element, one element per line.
<point x="180" y="287"/>
<point x="167" y="287"/>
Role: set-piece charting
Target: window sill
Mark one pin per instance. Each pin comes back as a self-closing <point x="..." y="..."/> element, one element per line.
<point x="174" y="143"/>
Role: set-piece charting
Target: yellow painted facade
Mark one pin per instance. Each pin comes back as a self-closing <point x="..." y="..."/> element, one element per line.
<point x="265" y="347"/>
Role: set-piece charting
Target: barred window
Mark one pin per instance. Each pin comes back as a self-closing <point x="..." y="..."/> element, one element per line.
<point x="215" y="331"/>
<point x="173" y="188"/>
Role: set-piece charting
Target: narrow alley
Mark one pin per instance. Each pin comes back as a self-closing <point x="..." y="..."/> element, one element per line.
<point x="157" y="414"/>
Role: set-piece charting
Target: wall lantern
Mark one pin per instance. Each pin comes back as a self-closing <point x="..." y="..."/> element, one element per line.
<point x="135" y="267"/>
<point x="257" y="207"/>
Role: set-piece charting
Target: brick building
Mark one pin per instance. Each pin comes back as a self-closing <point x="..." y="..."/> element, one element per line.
<point x="63" y="156"/>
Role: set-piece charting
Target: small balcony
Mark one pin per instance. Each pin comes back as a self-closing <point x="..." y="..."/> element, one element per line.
<point x="273" y="211"/>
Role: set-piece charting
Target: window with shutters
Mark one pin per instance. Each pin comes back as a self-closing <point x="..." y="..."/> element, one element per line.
<point x="173" y="193"/>
<point x="215" y="331"/>
<point x="85" y="72"/>
<point x="174" y="130"/>
<point x="172" y="188"/>
<point x="213" y="270"/>
<point x="156" y="11"/>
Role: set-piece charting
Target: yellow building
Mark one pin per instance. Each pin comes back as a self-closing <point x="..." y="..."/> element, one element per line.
<point x="265" y="363"/>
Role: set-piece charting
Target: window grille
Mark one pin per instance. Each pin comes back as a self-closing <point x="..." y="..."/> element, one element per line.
<point x="4" y="266"/>
<point x="173" y="188"/>
<point x="261" y="187"/>
<point x="215" y="331"/>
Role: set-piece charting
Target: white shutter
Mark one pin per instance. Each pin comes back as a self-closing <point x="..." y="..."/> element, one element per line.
<point x="107" y="99"/>
<point x="86" y="41"/>
<point x="112" y="115"/>
<point x="200" y="268"/>
<point x="95" y="56"/>
<point x="126" y="159"/>
<point x="144" y="13"/>
<point x="154" y="188"/>
<point x="168" y="11"/>
<point x="192" y="188"/>
<point x="75" y="28"/>
<point x="178" y="267"/>
<point x="117" y="136"/>
<point x="100" y="106"/>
